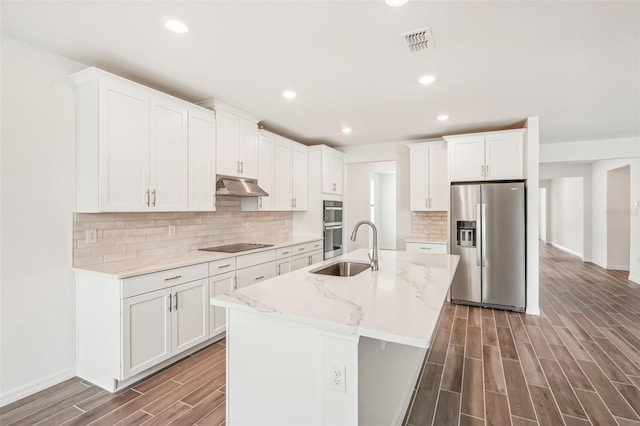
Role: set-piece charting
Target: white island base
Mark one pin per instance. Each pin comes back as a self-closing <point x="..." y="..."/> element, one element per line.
<point x="280" y="372"/>
<point x="307" y="349"/>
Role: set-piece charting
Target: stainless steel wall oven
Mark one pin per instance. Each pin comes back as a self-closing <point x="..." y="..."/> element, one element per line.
<point x="332" y="228"/>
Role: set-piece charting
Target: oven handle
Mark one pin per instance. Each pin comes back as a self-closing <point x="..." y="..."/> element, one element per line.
<point x="328" y="228"/>
<point x="333" y="208"/>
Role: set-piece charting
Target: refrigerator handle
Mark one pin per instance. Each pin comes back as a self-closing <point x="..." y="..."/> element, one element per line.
<point x="483" y="236"/>
<point x="479" y="218"/>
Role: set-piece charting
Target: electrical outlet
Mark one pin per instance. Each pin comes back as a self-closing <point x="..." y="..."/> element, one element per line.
<point x="91" y="236"/>
<point x="337" y="377"/>
<point x="172" y="231"/>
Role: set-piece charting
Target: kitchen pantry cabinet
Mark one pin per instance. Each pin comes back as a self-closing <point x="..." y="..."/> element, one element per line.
<point x="486" y="156"/>
<point x="428" y="183"/>
<point x="236" y="141"/>
<point x="132" y="148"/>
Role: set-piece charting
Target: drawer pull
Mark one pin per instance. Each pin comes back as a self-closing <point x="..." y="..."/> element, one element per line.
<point x="301" y="249"/>
<point x="259" y="278"/>
<point x="224" y="266"/>
<point x="173" y="278"/>
<point x="285" y="252"/>
<point x="425" y="248"/>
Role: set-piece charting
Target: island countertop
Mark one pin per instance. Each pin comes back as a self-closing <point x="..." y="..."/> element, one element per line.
<point x="400" y="303"/>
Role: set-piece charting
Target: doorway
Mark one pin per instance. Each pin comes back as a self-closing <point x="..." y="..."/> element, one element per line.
<point x="618" y="218"/>
<point x="542" y="215"/>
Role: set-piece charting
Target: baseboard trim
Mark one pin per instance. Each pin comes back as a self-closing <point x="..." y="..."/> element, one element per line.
<point x="12" y="395"/>
<point x="563" y="248"/>
<point x="530" y="310"/>
<point x="618" y="267"/>
<point x="634" y="278"/>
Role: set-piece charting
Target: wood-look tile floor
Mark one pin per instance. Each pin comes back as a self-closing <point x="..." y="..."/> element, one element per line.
<point x="576" y="364"/>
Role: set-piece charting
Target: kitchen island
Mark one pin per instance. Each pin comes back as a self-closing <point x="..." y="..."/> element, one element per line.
<point x="310" y="349"/>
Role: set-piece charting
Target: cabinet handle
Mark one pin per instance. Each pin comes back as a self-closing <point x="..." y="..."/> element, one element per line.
<point x="301" y="249"/>
<point x="259" y="278"/>
<point x="482" y="170"/>
<point x="238" y="167"/>
<point x="487" y="170"/>
<point x="279" y="270"/>
<point x="169" y="302"/>
<point x="425" y="248"/>
<point x="154" y="197"/>
<point x="334" y="186"/>
<point x="242" y="167"/>
<point x="295" y="202"/>
<point x="176" y="305"/>
<point x="260" y="202"/>
<point x="309" y="263"/>
<point x="148" y="202"/>
<point x="234" y="286"/>
<point x="224" y="266"/>
<point x="173" y="278"/>
<point x="292" y="203"/>
<point x="285" y="252"/>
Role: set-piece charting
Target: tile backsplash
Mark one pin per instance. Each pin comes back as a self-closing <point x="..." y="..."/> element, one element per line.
<point x="431" y="226"/>
<point x="125" y="236"/>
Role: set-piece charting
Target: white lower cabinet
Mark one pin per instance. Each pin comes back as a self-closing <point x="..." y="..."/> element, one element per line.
<point x="427" y="247"/>
<point x="219" y="284"/>
<point x="255" y="274"/>
<point x="283" y="266"/>
<point x="163" y="323"/>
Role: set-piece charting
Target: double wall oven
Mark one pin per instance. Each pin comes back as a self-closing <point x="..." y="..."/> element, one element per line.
<point x="332" y="227"/>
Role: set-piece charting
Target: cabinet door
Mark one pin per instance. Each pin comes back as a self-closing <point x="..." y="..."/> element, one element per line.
<point x="146" y="331"/>
<point x="248" y="149"/>
<point x="283" y="266"/>
<point x="438" y="177"/>
<point x="219" y="284"/>
<point x="504" y="157"/>
<point x="168" y="154"/>
<point x="315" y="257"/>
<point x="190" y="321"/>
<point x="255" y="274"/>
<point x="418" y="177"/>
<point x="299" y="187"/>
<point x="282" y="175"/>
<point x="202" y="152"/>
<point x="466" y="159"/>
<point x="299" y="262"/>
<point x="124" y="147"/>
<point x="266" y="171"/>
<point x="227" y="128"/>
<point x="332" y="172"/>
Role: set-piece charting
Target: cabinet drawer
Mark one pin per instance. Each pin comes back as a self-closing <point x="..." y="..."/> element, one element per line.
<point x="159" y="280"/>
<point x="284" y="252"/>
<point x="221" y="266"/>
<point x="255" y="258"/>
<point x="257" y="273"/>
<point x="316" y="245"/>
<point x="299" y="249"/>
<point x="427" y="247"/>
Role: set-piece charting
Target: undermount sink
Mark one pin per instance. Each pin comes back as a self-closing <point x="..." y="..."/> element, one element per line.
<point x="342" y="269"/>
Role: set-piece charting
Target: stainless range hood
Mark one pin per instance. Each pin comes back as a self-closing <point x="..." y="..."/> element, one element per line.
<point x="238" y="187"/>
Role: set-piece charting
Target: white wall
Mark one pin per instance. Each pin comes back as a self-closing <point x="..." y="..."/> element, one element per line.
<point x="391" y="151"/>
<point x="38" y="197"/>
<point x="567" y="214"/>
<point x="387" y="208"/>
<point x="599" y="212"/>
<point x="618" y="218"/>
<point x="594" y="150"/>
<point x="357" y="200"/>
<point x="542" y="215"/>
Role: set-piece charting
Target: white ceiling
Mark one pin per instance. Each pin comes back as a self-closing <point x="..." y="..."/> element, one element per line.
<point x="574" y="64"/>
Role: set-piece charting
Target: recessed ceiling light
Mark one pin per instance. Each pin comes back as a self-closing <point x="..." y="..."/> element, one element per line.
<point x="426" y="79"/>
<point x="396" y="3"/>
<point x="443" y="117"/>
<point x="346" y="130"/>
<point x="176" y="26"/>
<point x="289" y="94"/>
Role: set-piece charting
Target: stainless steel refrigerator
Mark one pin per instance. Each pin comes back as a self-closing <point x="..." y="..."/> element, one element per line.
<point x="488" y="223"/>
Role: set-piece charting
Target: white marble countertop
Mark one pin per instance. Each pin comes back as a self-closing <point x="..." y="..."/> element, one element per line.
<point x="423" y="240"/>
<point x="399" y="303"/>
<point x="134" y="267"/>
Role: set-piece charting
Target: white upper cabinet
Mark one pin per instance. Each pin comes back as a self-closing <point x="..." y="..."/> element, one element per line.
<point x="236" y="141"/>
<point x="282" y="175"/>
<point x="332" y="171"/>
<point x="132" y="146"/>
<point x="265" y="171"/>
<point x="299" y="173"/>
<point x="428" y="184"/>
<point x="486" y="156"/>
<point x="202" y="155"/>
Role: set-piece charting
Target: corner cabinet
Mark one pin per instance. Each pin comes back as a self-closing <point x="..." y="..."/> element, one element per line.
<point x="202" y="159"/>
<point x="236" y="141"/>
<point x="428" y="184"/>
<point x="132" y="146"/>
<point x="486" y="156"/>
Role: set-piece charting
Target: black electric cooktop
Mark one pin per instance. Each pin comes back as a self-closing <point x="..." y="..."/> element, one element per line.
<point x="235" y="248"/>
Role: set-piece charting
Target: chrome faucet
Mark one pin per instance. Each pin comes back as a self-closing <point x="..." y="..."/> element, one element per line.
<point x="372" y="258"/>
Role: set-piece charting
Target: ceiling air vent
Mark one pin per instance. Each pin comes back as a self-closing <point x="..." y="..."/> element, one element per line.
<point x="419" y="40"/>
